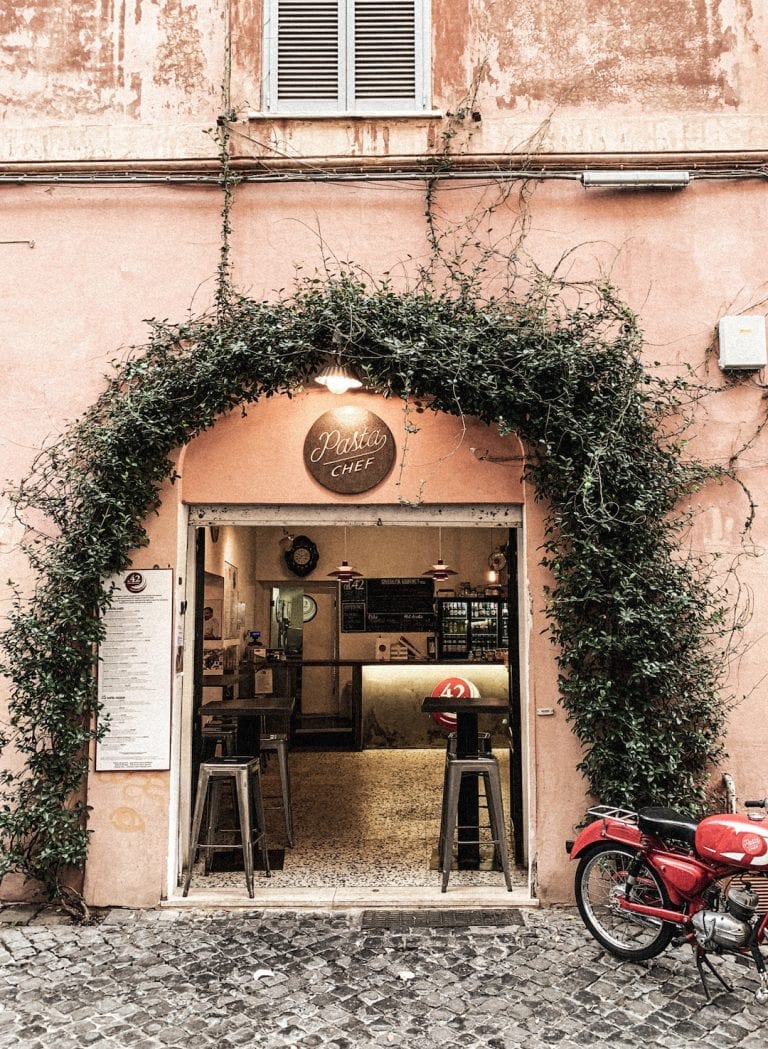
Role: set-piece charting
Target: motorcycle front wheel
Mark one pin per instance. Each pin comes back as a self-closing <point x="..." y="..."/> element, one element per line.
<point x="600" y="879"/>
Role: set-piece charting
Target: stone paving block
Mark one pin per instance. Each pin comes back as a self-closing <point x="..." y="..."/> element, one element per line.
<point x="19" y="913"/>
<point x="142" y="980"/>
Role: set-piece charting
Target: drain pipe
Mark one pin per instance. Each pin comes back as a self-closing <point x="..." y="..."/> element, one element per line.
<point x="730" y="791"/>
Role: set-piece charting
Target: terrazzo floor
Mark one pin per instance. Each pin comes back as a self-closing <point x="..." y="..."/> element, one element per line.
<point x="368" y="818"/>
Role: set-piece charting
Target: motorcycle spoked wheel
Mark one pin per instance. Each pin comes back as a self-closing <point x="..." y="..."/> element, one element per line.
<point x="600" y="877"/>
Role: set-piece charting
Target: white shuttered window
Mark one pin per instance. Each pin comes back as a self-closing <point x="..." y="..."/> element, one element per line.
<point x="361" y="56"/>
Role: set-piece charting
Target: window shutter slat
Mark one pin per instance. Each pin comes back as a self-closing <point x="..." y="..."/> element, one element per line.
<point x="385" y="49"/>
<point x="308" y="49"/>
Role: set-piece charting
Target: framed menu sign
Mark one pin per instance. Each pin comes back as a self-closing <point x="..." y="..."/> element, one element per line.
<point x="384" y="605"/>
<point x="134" y="685"/>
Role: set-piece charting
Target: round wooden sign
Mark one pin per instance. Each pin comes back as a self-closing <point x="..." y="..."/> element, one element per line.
<point x="349" y="450"/>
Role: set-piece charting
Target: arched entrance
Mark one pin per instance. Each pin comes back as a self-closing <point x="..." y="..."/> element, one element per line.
<point x="463" y="461"/>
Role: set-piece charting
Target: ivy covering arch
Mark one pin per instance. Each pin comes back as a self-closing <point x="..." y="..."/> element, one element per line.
<point x="634" y="619"/>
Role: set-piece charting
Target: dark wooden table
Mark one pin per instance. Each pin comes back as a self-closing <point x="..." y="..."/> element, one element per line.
<point x="249" y="713"/>
<point x="254" y="705"/>
<point x="467" y="709"/>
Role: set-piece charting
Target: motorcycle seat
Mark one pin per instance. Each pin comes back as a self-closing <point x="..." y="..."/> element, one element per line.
<point x="666" y="823"/>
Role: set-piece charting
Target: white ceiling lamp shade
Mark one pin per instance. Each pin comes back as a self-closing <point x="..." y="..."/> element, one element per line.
<point x="338" y="378"/>
<point x="440" y="570"/>
<point x="345" y="572"/>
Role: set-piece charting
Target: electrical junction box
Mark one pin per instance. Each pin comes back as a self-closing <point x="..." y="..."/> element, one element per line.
<point x="742" y="342"/>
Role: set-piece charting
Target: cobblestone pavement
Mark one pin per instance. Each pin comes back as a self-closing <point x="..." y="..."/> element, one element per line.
<point x="276" y="980"/>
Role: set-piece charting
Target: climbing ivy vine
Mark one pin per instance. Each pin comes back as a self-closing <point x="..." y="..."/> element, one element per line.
<point x="633" y="616"/>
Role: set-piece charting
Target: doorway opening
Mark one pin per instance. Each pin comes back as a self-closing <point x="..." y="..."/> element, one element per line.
<point x="366" y="764"/>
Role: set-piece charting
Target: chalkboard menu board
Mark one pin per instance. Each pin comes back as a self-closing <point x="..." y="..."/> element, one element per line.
<point x="378" y="606"/>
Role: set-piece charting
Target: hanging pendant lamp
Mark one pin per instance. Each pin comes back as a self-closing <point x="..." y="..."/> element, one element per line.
<point x="345" y="572"/>
<point x="338" y="377"/>
<point x="440" y="570"/>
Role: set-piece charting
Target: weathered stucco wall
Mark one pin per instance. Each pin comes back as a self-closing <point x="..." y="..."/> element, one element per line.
<point x="91" y="80"/>
<point x="553" y="78"/>
<point x="103" y="260"/>
<point x="136" y="60"/>
<point x="140" y="79"/>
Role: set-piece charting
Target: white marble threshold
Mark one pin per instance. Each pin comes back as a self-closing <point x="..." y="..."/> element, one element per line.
<point x="329" y="898"/>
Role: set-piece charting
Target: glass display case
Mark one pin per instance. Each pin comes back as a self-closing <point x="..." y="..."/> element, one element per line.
<point x="469" y="627"/>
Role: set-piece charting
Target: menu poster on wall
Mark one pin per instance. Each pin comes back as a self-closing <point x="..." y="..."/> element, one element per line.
<point x="381" y="605"/>
<point x="134" y="686"/>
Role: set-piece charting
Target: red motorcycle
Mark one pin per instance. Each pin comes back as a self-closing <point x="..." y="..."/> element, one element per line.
<point x="650" y="878"/>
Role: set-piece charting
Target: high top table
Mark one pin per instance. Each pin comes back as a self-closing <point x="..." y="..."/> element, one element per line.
<point x="467" y="709"/>
<point x="249" y="713"/>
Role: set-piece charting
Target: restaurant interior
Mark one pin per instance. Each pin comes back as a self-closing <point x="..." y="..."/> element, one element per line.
<point x="358" y="624"/>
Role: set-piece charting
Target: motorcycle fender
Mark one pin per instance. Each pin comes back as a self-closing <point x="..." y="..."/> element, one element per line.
<point x="605" y="830"/>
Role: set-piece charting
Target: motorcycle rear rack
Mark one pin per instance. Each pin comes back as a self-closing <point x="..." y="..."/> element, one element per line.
<point x="610" y="812"/>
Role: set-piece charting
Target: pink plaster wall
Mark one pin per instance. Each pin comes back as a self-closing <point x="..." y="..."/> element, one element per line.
<point x="259" y="458"/>
<point x="129" y="844"/>
<point x="133" y="60"/>
<point x="103" y="260"/>
<point x="137" y="58"/>
<point x="140" y="81"/>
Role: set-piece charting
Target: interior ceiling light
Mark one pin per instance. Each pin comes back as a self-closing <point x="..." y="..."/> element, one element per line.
<point x="345" y="572"/>
<point x="440" y="570"/>
<point x="338" y="378"/>
<point x="635" y="179"/>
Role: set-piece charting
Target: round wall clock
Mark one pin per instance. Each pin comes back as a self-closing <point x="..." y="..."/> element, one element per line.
<point x="302" y="556"/>
<point x="309" y="608"/>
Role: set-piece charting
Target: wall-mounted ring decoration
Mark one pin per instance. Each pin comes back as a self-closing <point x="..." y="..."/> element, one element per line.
<point x="302" y="556"/>
<point x="497" y="561"/>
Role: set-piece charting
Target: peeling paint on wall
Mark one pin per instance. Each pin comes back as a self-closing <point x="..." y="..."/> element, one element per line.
<point x="120" y="79"/>
<point x="652" y="54"/>
<point x="179" y="56"/>
<point x="452" y="26"/>
<point x="95" y="59"/>
<point x="66" y="59"/>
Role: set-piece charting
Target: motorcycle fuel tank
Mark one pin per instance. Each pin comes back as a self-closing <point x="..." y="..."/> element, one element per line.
<point x="734" y="839"/>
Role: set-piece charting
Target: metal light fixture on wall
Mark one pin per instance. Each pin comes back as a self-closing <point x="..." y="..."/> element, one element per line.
<point x="345" y="572"/>
<point x="643" y="179"/>
<point x="440" y="570"/>
<point x="497" y="562"/>
<point x="338" y="377"/>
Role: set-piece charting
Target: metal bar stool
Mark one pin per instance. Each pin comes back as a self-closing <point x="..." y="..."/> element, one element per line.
<point x="244" y="775"/>
<point x="487" y="767"/>
<point x="274" y="739"/>
<point x="221" y="732"/>
<point x="451" y="751"/>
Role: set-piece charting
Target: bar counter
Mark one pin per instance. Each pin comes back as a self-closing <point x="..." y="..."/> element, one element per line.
<point x="386" y="695"/>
